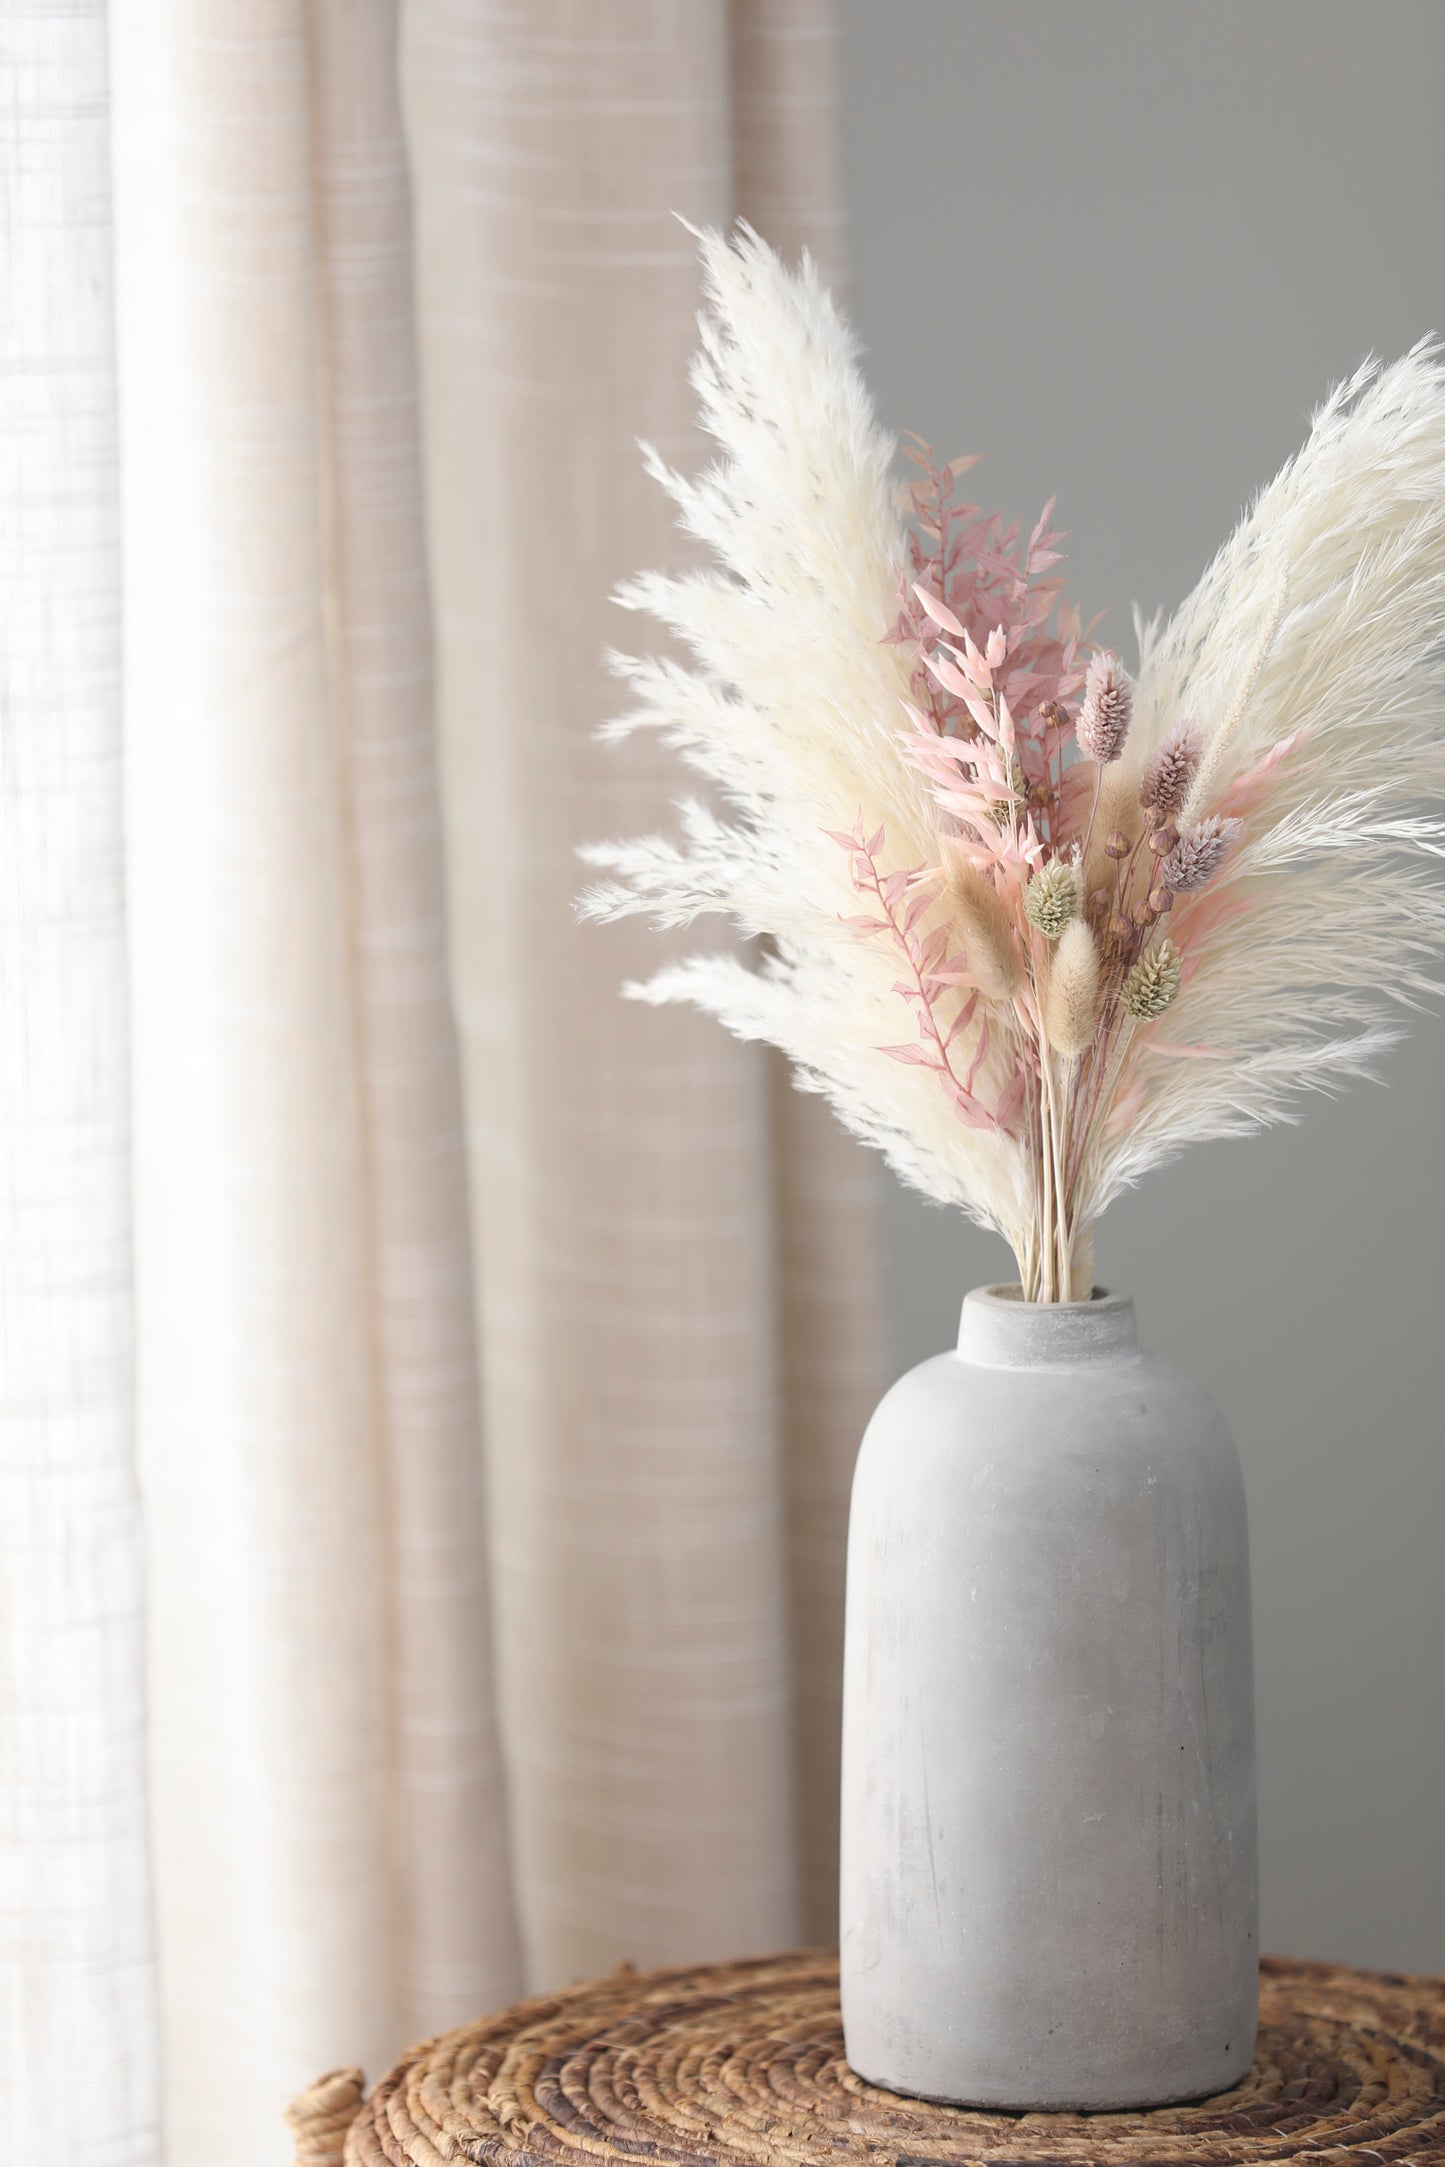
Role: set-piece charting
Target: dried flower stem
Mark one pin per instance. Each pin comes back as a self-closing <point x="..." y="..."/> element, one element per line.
<point x="885" y="890"/>
<point x="1093" y="814"/>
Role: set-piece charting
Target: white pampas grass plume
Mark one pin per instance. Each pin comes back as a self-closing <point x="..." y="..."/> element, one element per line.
<point x="1312" y="654"/>
<point x="791" y="707"/>
<point x="1052" y="897"/>
<point x="1103" y="722"/>
<point x="1213" y="752"/>
<point x="991" y="953"/>
<point x="1071" y="997"/>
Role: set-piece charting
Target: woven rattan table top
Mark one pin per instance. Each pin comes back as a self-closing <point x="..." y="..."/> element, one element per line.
<point x="736" y="2065"/>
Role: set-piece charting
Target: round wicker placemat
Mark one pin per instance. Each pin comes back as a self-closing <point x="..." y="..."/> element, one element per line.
<point x="743" y="2063"/>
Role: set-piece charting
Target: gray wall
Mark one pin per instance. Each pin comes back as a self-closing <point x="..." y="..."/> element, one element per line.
<point x="1122" y="249"/>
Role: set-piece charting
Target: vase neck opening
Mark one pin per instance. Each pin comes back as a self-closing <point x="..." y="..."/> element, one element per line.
<point x="1000" y="1330"/>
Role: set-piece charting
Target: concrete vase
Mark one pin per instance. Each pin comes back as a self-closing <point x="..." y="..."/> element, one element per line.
<point x="1048" y="1892"/>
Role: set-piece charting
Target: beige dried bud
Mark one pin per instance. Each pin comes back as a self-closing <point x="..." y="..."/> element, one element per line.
<point x="1103" y="721"/>
<point x="1153" y="981"/>
<point x="1162" y="839"/>
<point x="1199" y="853"/>
<point x="1051" y="898"/>
<point x="1117" y="845"/>
<point x="1160" y="900"/>
<point x="1166" y="779"/>
<point x="991" y="954"/>
<point x="1071" y="997"/>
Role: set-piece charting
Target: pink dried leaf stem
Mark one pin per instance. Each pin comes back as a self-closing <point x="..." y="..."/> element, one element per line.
<point x="933" y="971"/>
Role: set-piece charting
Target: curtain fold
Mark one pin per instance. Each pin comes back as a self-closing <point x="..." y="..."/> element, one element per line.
<point x="456" y="1934"/>
<point x="621" y="1155"/>
<point x="833" y="1335"/>
<point x="331" y="1841"/>
<point x="77" y="2044"/>
<point x="502" y="1346"/>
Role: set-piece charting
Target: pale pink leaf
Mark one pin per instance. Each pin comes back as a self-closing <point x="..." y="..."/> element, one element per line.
<point x="934" y="948"/>
<point x="964" y="1017"/>
<point x="938" y="610"/>
<point x="910" y="1056"/>
<point x="1011" y="1098"/>
<point x="970" y="1112"/>
<point x="979" y="1052"/>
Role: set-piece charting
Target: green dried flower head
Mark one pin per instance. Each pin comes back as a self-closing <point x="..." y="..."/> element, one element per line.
<point x="1051" y="898"/>
<point x="1153" y="981"/>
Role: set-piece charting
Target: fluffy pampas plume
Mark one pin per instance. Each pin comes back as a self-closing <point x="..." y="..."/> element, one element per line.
<point x="1071" y="996"/>
<point x="958" y="835"/>
<point x="991" y="953"/>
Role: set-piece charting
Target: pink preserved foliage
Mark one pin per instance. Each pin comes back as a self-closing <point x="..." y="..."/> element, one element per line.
<point x="937" y="980"/>
<point x="996" y="650"/>
<point x="1013" y="721"/>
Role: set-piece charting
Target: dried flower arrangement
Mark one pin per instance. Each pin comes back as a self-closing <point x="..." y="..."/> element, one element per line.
<point x="1032" y="927"/>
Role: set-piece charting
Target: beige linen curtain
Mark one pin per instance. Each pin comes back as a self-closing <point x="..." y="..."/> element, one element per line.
<point x="662" y="1265"/>
<point x="502" y="1347"/>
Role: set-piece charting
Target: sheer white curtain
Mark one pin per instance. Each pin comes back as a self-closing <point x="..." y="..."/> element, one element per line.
<point x="77" y="2049"/>
<point x="502" y="1347"/>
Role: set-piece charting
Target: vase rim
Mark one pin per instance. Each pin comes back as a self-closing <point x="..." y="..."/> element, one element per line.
<point x="1000" y="1330"/>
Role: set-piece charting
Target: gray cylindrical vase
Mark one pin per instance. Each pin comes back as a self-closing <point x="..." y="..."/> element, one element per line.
<point x="1048" y="1891"/>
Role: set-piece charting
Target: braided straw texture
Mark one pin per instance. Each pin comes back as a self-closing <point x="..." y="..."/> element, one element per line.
<point x="743" y="2063"/>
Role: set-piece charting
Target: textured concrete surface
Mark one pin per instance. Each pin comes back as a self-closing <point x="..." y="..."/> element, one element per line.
<point x="1049" y="1881"/>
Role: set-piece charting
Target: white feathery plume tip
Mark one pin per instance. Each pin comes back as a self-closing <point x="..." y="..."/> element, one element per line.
<point x="909" y="756"/>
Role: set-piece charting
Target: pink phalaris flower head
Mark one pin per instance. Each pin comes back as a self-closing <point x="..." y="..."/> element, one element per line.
<point x="1198" y="854"/>
<point x="1166" y="780"/>
<point x="1103" y="722"/>
<point x="976" y="666"/>
<point x="997" y="648"/>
